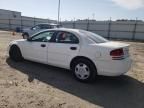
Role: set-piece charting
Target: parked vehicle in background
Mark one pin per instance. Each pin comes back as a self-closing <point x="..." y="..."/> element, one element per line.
<point x="85" y="53"/>
<point x="30" y="31"/>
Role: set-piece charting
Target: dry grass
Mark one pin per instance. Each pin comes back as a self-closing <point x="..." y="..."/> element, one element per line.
<point x="32" y="85"/>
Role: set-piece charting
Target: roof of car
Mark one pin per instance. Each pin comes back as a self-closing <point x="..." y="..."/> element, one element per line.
<point x="64" y="29"/>
<point x="47" y="24"/>
<point x="77" y="31"/>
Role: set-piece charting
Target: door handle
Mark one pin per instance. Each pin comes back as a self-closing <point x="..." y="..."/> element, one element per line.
<point x="43" y="45"/>
<point x="73" y="48"/>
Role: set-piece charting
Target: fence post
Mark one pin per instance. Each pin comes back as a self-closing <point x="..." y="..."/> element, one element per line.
<point x="9" y="23"/>
<point x="109" y="28"/>
<point x="74" y="24"/>
<point x="60" y="22"/>
<point x="34" y="21"/>
<point x="134" y="31"/>
<point x="21" y="24"/>
<point x="48" y="21"/>
<point x="88" y="24"/>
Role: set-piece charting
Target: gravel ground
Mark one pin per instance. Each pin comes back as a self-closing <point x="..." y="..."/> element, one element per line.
<point x="32" y="85"/>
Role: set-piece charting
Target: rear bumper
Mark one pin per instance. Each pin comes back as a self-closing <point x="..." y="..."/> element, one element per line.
<point x="114" y="67"/>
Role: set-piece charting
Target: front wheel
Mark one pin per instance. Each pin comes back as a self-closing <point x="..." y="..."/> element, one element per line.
<point x="15" y="53"/>
<point x="84" y="70"/>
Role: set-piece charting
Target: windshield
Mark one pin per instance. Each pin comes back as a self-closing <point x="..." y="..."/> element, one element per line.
<point x="95" y="37"/>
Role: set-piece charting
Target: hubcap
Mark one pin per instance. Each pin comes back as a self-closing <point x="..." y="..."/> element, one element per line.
<point x="82" y="71"/>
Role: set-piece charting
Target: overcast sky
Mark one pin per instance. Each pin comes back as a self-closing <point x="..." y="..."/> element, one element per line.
<point x="78" y="9"/>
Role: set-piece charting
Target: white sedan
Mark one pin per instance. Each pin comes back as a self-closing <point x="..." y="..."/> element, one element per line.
<point x="85" y="53"/>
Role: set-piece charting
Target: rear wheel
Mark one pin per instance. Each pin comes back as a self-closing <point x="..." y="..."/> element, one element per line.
<point x="15" y="53"/>
<point x="84" y="70"/>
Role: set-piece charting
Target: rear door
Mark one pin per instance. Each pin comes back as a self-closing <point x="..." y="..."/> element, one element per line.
<point x="63" y="48"/>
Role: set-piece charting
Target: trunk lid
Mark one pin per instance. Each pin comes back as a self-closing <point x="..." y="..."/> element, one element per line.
<point x="114" y="45"/>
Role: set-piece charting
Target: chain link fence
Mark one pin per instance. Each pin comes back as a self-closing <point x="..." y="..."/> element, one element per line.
<point x="132" y="30"/>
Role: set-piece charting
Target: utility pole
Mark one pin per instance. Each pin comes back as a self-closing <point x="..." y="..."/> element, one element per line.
<point x="58" y="12"/>
<point x="93" y="16"/>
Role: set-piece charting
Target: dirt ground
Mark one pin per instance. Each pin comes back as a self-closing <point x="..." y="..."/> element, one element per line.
<point x="32" y="85"/>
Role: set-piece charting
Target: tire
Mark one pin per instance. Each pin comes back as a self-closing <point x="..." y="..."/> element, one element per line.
<point x="25" y="35"/>
<point x="15" y="53"/>
<point x="84" y="70"/>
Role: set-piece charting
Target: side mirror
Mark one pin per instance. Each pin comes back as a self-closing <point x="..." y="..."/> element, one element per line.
<point x="31" y="28"/>
<point x="29" y="39"/>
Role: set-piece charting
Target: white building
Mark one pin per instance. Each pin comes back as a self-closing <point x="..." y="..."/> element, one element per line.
<point x="10" y="20"/>
<point x="7" y="14"/>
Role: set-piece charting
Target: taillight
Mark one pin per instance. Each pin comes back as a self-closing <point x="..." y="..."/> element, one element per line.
<point x="117" y="54"/>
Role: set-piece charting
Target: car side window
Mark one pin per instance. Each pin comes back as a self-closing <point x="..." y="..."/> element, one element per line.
<point x="66" y="37"/>
<point x="43" y="37"/>
<point x="36" y="27"/>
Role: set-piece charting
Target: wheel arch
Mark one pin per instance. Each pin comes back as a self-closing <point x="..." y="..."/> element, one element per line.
<point x="81" y="57"/>
<point x="25" y="33"/>
<point x="15" y="53"/>
<point x="14" y="45"/>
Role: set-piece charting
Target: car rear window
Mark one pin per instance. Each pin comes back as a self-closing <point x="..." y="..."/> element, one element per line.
<point x="49" y="26"/>
<point x="45" y="26"/>
<point x="95" y="37"/>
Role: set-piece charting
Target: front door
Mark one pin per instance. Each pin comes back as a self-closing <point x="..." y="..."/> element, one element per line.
<point x="37" y="47"/>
